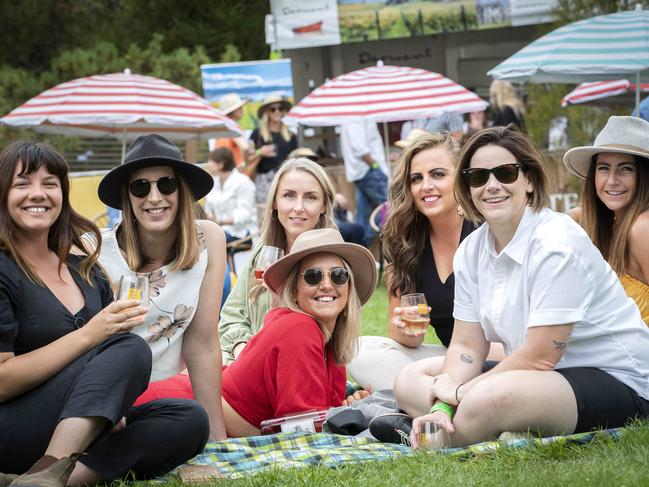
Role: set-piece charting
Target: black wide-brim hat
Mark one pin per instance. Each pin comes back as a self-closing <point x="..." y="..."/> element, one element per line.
<point x="147" y="151"/>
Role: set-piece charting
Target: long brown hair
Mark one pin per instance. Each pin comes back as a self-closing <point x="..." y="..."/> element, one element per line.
<point x="68" y="227"/>
<point x="608" y="235"/>
<point x="406" y="231"/>
<point x="184" y="252"/>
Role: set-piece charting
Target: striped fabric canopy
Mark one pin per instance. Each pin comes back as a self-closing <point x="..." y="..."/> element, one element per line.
<point x="383" y="94"/>
<point x="123" y="105"/>
<point x="598" y="90"/>
<point x="603" y="47"/>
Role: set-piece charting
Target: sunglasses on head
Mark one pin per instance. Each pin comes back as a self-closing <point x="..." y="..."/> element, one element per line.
<point x="142" y="187"/>
<point x="339" y="276"/>
<point x="478" y="176"/>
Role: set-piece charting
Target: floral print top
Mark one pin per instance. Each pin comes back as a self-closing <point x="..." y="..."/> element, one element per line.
<point x="173" y="302"/>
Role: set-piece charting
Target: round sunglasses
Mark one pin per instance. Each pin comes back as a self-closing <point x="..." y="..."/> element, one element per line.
<point x="339" y="276"/>
<point x="478" y="176"/>
<point x="276" y="108"/>
<point x="142" y="187"/>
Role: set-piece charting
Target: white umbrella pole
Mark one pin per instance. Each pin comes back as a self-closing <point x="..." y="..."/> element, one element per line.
<point x="637" y="94"/>
<point x="387" y="144"/>
<point x="123" y="143"/>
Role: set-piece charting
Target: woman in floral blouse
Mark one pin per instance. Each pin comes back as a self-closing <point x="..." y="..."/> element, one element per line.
<point x="183" y="258"/>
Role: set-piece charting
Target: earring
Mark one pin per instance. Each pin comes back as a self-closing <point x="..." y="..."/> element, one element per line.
<point x="460" y="211"/>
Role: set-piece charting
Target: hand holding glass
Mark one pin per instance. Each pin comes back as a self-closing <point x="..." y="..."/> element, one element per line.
<point x="267" y="256"/>
<point x="134" y="287"/>
<point x="433" y="436"/>
<point x="414" y="312"/>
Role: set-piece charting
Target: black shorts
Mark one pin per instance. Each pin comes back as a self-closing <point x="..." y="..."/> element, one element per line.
<point x="602" y="400"/>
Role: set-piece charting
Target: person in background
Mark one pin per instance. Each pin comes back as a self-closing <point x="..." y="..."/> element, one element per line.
<point x="424" y="228"/>
<point x="69" y="368"/>
<point x="404" y="143"/>
<point x="183" y="259"/>
<point x="300" y="199"/>
<point x="365" y="166"/>
<point x="643" y="110"/>
<point x="445" y="122"/>
<point x="475" y="122"/>
<point x="531" y="279"/>
<point x="614" y="209"/>
<point x="232" y="106"/>
<point x="231" y="202"/>
<point x="305" y="152"/>
<point x="351" y="232"/>
<point x="506" y="105"/>
<point x="270" y="144"/>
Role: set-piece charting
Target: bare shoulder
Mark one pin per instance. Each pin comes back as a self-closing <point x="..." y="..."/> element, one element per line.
<point x="575" y="213"/>
<point x="213" y="234"/>
<point x="639" y="231"/>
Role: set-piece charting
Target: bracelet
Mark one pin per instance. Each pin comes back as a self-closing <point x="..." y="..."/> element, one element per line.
<point x="442" y="406"/>
<point x="258" y="152"/>
<point x="374" y="165"/>
<point x="457" y="389"/>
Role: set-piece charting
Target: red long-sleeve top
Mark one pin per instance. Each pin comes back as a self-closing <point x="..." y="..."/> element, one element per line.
<point x="285" y="368"/>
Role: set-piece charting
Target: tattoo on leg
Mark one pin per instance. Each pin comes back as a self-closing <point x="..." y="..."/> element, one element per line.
<point x="466" y="358"/>
<point x="560" y="345"/>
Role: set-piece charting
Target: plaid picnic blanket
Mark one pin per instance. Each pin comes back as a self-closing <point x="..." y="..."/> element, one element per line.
<point x="239" y="457"/>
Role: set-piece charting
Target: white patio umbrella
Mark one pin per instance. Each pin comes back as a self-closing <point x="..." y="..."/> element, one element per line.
<point x="600" y="90"/>
<point x="124" y="106"/>
<point x="599" y="48"/>
<point x="383" y="94"/>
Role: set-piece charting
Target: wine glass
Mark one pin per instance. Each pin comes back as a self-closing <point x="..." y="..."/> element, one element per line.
<point x="433" y="436"/>
<point x="267" y="256"/>
<point x="414" y="312"/>
<point x="135" y="286"/>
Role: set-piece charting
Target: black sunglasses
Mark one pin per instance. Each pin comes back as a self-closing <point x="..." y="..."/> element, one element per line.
<point x="478" y="176"/>
<point x="276" y="108"/>
<point x="339" y="276"/>
<point x="141" y="187"/>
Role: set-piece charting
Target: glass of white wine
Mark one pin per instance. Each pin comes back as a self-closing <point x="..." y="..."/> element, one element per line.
<point x="414" y="312"/>
<point x="135" y="286"/>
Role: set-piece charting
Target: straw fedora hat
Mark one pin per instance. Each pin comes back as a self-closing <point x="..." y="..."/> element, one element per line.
<point x="152" y="150"/>
<point x="303" y="152"/>
<point x="231" y="102"/>
<point x="269" y="100"/>
<point x="326" y="240"/>
<point x="622" y="135"/>
<point x="414" y="133"/>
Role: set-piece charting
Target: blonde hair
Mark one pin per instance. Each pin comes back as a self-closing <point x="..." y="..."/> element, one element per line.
<point x="264" y="129"/>
<point x="272" y="232"/>
<point x="345" y="335"/>
<point x="184" y="252"/>
<point x="406" y="230"/>
<point x="608" y="235"/>
<point x="502" y="94"/>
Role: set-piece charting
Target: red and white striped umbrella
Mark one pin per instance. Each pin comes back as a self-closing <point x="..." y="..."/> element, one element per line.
<point x="383" y="94"/>
<point x="586" y="92"/>
<point x="122" y="105"/>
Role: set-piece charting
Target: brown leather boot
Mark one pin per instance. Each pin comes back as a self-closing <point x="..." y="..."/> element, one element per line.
<point x="56" y="475"/>
<point x="7" y="478"/>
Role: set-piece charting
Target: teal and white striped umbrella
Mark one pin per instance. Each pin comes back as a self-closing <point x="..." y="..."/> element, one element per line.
<point x="599" y="48"/>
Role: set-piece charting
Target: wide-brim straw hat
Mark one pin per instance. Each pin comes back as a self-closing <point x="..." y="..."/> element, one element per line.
<point x="621" y="135"/>
<point x="269" y="100"/>
<point x="414" y="133"/>
<point x="330" y="241"/>
<point x="147" y="151"/>
<point x="303" y="152"/>
<point x="231" y="102"/>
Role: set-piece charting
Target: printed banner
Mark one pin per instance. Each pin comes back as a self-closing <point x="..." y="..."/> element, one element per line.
<point x="296" y="23"/>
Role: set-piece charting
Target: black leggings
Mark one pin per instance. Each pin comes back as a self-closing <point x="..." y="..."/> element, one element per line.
<point x="104" y="383"/>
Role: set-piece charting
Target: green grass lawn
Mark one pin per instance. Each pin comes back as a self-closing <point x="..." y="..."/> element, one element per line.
<point x="601" y="463"/>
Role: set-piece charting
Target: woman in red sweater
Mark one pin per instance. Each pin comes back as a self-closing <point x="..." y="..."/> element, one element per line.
<point x="297" y="361"/>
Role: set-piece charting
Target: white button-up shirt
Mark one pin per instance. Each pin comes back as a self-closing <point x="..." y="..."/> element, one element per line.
<point x="357" y="140"/>
<point x="236" y="200"/>
<point x="550" y="273"/>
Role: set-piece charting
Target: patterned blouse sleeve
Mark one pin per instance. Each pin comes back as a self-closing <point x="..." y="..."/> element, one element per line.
<point x="9" y="289"/>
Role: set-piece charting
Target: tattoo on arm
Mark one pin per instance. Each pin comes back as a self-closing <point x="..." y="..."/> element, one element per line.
<point x="560" y="345"/>
<point x="466" y="358"/>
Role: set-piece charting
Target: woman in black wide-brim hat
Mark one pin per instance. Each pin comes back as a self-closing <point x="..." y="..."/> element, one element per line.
<point x="183" y="258"/>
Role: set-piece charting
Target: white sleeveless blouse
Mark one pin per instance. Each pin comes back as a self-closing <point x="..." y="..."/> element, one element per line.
<point x="173" y="301"/>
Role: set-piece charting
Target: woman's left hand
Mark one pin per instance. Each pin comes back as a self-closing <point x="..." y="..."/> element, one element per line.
<point x="444" y="389"/>
<point x="357" y="396"/>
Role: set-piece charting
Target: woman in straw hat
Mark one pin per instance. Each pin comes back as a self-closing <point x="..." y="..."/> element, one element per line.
<point x="300" y="199"/>
<point x="615" y="200"/>
<point x="271" y="143"/>
<point x="532" y="280"/>
<point x="420" y="238"/>
<point x="69" y="368"/>
<point x="182" y="258"/>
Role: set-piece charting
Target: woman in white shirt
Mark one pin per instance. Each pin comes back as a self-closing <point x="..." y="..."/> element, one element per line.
<point x="231" y="202"/>
<point x="532" y="280"/>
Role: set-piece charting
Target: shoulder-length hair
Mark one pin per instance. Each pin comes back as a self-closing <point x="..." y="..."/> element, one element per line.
<point x="502" y="94"/>
<point x="345" y="335"/>
<point x="406" y="230"/>
<point x="68" y="227"/>
<point x="184" y="252"/>
<point x="272" y="232"/>
<point x="264" y="129"/>
<point x="510" y="138"/>
<point x="608" y="235"/>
